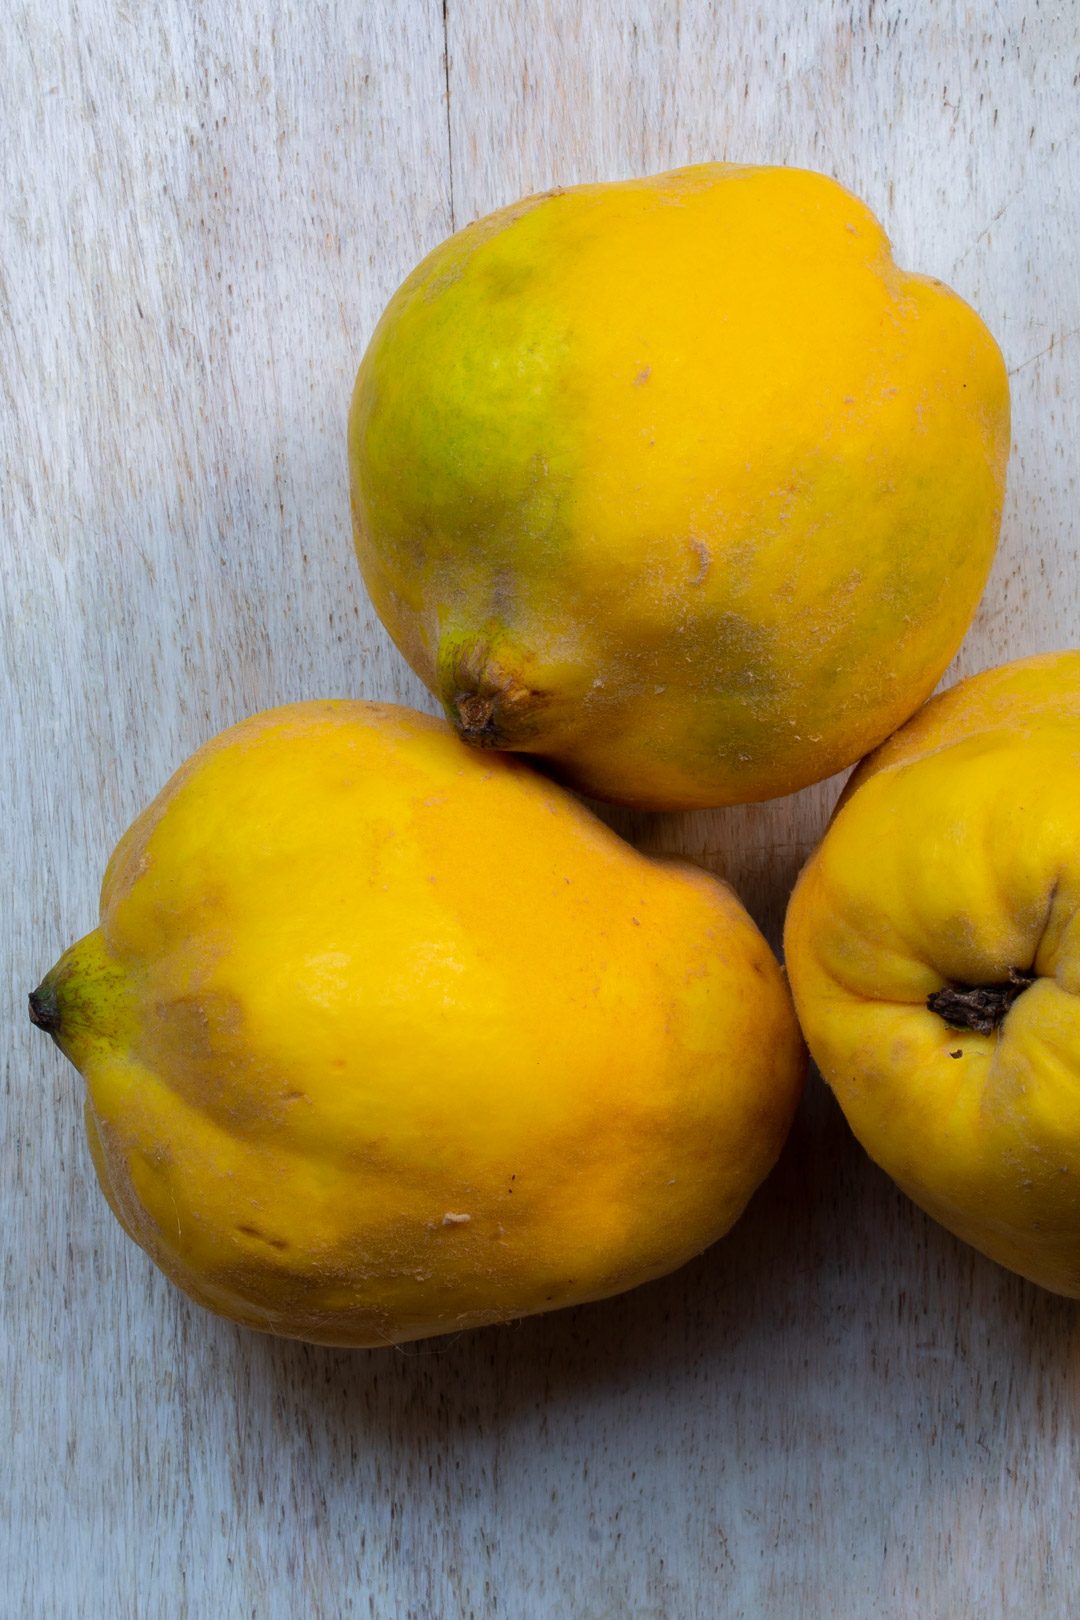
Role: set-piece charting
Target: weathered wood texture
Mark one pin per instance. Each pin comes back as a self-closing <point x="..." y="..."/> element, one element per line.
<point x="838" y="1411"/>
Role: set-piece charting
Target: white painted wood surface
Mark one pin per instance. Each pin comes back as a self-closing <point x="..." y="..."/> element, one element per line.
<point x="839" y="1411"/>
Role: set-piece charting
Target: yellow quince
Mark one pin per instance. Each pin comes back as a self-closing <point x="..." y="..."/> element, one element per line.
<point x="679" y="483"/>
<point x="933" y="943"/>
<point x="385" y="1038"/>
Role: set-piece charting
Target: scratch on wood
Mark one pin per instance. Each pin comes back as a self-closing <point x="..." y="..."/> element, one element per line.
<point x="1054" y="343"/>
<point x="984" y="233"/>
<point x="449" y="127"/>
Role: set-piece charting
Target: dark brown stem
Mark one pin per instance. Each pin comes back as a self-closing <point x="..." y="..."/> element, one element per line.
<point x="981" y="1007"/>
<point x="44" y="1009"/>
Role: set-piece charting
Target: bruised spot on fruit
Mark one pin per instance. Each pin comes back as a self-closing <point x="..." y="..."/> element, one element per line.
<point x="184" y="1043"/>
<point x="732" y="703"/>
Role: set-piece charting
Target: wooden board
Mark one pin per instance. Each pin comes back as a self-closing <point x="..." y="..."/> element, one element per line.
<point x="840" y="1410"/>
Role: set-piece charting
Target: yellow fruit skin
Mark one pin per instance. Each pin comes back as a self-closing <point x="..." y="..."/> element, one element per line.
<point x="954" y="860"/>
<point x="679" y="483"/>
<point x="385" y="1038"/>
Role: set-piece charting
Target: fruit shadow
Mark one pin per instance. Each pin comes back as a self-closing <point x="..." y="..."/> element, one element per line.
<point x="758" y="848"/>
<point x="835" y="1322"/>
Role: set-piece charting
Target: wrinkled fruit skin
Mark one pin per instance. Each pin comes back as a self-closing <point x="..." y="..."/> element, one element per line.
<point x="384" y="1038"/>
<point x="679" y="484"/>
<point x="953" y="863"/>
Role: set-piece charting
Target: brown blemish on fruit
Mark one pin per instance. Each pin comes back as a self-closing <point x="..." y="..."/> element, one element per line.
<point x="263" y="1237"/>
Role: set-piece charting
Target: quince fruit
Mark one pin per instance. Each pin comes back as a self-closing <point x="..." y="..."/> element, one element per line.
<point x="385" y="1038"/>
<point x="933" y="943"/>
<point x="679" y="484"/>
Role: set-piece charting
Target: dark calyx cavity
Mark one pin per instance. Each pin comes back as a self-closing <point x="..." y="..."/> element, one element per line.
<point x="476" y="720"/>
<point x="980" y="1007"/>
<point x="44" y="1009"/>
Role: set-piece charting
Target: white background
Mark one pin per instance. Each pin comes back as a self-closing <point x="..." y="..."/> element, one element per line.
<point x="838" y="1411"/>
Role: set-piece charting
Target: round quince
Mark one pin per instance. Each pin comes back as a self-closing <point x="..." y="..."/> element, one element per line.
<point x="933" y="944"/>
<point x="678" y="484"/>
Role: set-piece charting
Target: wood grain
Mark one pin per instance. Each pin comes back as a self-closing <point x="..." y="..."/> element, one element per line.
<point x="838" y="1411"/>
